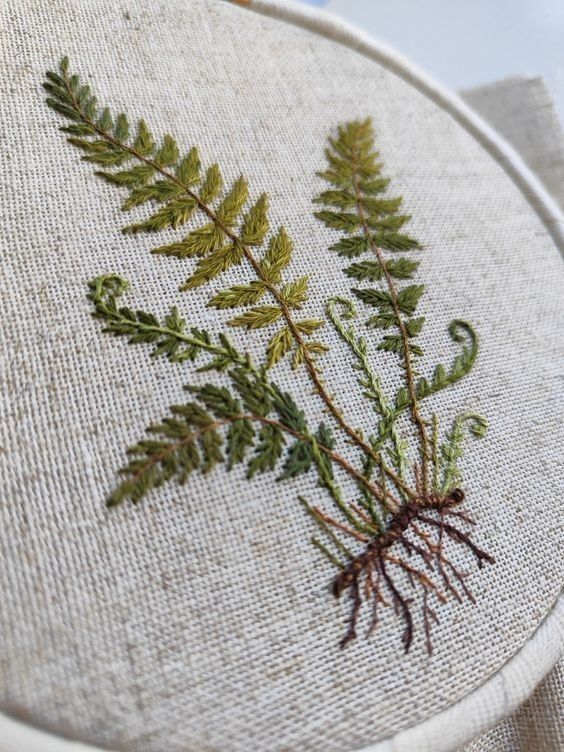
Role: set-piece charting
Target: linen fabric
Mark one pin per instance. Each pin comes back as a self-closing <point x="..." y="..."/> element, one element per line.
<point x="201" y="619"/>
<point x="538" y="725"/>
<point x="523" y="111"/>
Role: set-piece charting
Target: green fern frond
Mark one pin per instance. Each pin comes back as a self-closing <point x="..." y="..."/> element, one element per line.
<point x="371" y="223"/>
<point x="171" y="337"/>
<point x="452" y="450"/>
<point x="187" y="441"/>
<point x="460" y="332"/>
<point x="357" y="187"/>
<point x="179" y="191"/>
<point x="250" y="422"/>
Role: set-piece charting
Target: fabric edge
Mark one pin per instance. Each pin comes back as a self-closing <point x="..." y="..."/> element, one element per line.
<point x="505" y="81"/>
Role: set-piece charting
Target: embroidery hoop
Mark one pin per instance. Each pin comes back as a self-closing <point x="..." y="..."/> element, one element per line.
<point x="512" y="684"/>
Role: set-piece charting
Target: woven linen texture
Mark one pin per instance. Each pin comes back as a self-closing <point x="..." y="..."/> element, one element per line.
<point x="202" y="620"/>
<point x="538" y="725"/>
<point x="523" y="111"/>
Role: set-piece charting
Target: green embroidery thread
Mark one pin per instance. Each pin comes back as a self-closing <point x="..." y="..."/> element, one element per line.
<point x="401" y="503"/>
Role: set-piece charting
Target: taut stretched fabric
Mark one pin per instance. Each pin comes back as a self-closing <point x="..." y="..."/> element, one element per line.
<point x="201" y="620"/>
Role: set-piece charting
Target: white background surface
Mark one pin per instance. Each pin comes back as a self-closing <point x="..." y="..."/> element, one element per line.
<point x="465" y="43"/>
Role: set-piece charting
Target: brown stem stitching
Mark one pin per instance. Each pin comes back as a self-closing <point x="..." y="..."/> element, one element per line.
<point x="410" y="377"/>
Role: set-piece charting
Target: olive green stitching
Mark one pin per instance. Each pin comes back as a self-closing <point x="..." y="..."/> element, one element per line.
<point x="355" y="174"/>
<point x="369" y="223"/>
<point x="252" y="421"/>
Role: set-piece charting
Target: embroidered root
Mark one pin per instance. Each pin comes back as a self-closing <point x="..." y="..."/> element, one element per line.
<point x="378" y="573"/>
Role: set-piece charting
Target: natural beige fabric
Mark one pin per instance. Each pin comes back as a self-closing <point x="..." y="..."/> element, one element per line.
<point x="538" y="726"/>
<point x="201" y="620"/>
<point x="523" y="111"/>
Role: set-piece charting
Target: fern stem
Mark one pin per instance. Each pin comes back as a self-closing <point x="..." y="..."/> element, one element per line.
<point x="196" y="342"/>
<point x="390" y="503"/>
<point x="409" y="370"/>
<point x="192" y="341"/>
<point x="311" y="367"/>
<point x="325" y="528"/>
<point x="339" y="525"/>
<point x="435" y="449"/>
<point x="328" y="555"/>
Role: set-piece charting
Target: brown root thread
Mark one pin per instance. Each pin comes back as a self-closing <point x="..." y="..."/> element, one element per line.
<point x="378" y="567"/>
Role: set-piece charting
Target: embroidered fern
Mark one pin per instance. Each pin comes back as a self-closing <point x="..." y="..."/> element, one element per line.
<point x="355" y="173"/>
<point x="170" y="337"/>
<point x="370" y="223"/>
<point x="401" y="502"/>
<point x="234" y="230"/>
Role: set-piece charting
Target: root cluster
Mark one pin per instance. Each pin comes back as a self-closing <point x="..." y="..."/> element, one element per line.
<point x="412" y="550"/>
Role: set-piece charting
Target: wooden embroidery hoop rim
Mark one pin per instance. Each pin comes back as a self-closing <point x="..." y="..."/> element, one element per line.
<point x="514" y="682"/>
